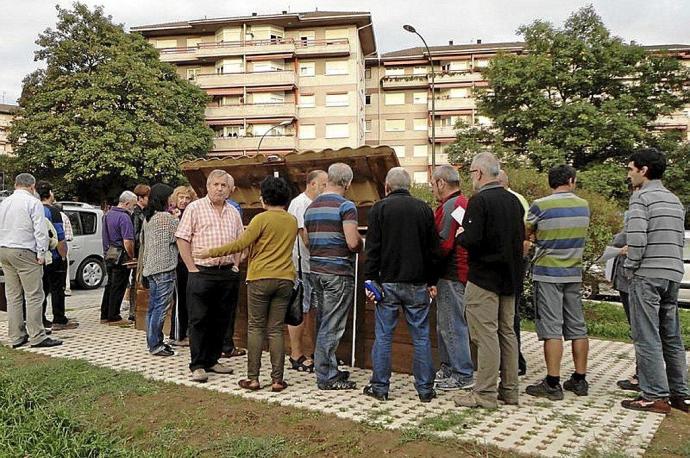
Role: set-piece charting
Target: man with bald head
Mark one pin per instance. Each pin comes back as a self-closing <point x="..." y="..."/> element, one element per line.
<point x="212" y="285"/>
<point x="402" y="251"/>
<point x="492" y="232"/>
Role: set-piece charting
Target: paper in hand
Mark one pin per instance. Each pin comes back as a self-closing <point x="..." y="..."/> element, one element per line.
<point x="458" y="214"/>
<point x="610" y="252"/>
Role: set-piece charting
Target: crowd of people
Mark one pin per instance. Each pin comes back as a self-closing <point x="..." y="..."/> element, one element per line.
<point x="470" y="255"/>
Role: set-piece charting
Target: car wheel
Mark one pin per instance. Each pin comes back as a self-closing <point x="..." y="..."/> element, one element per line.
<point x="90" y="273"/>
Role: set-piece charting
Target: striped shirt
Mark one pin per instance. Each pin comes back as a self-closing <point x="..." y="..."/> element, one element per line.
<point x="560" y="223"/>
<point x="654" y="232"/>
<point x="204" y="227"/>
<point x="324" y="220"/>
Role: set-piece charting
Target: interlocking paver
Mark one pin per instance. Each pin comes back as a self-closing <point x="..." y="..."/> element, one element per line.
<point x="537" y="426"/>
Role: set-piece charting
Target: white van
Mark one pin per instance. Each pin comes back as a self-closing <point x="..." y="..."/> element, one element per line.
<point x="87" y="268"/>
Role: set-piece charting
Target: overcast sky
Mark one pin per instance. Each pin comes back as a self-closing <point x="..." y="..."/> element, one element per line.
<point x="647" y="22"/>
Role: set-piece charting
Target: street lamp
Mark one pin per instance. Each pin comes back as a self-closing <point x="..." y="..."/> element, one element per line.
<point x="411" y="29"/>
<point x="281" y="124"/>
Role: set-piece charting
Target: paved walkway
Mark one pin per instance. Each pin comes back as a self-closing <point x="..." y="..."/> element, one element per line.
<point x="537" y="426"/>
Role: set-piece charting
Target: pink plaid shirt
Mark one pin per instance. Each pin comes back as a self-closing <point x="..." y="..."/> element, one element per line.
<point x="204" y="228"/>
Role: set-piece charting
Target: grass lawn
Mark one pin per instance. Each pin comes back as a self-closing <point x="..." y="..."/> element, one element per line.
<point x="52" y="407"/>
<point x="606" y="320"/>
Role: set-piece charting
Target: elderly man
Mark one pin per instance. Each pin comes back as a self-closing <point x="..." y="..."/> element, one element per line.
<point x="558" y="223"/>
<point x="23" y="247"/>
<point x="316" y="183"/>
<point x="456" y="371"/>
<point x="142" y="192"/>
<point x="118" y="246"/>
<point x="493" y="234"/>
<point x="331" y="223"/>
<point x="654" y="262"/>
<point x="402" y="251"/>
<point x="213" y="283"/>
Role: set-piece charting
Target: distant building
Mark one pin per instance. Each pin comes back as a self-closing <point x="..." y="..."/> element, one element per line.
<point x="7" y="114"/>
<point x="318" y="78"/>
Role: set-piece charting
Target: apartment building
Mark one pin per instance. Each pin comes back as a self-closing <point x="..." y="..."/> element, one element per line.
<point x="292" y="81"/>
<point x="7" y="114"/>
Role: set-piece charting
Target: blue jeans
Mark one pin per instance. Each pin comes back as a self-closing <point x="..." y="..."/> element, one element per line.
<point x="414" y="301"/>
<point x="453" y="333"/>
<point x="656" y="333"/>
<point x="161" y="290"/>
<point x="334" y="295"/>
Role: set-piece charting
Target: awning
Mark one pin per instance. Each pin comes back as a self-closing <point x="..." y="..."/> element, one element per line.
<point x="269" y="120"/>
<point x="398" y="63"/>
<point x="268" y="57"/>
<point x="270" y="88"/>
<point x="224" y="122"/>
<point x="225" y="91"/>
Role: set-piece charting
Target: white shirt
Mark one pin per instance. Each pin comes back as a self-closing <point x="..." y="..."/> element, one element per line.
<point x="22" y="223"/>
<point x="297" y="208"/>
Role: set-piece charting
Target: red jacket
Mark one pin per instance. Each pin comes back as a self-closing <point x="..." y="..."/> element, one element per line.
<point x="454" y="266"/>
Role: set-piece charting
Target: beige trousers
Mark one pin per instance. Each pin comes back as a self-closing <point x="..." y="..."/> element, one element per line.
<point x="490" y="320"/>
<point x="23" y="284"/>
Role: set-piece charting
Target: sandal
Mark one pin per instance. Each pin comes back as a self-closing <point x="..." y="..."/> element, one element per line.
<point x="252" y="385"/>
<point x="278" y="385"/>
<point x="234" y="353"/>
<point x="299" y="366"/>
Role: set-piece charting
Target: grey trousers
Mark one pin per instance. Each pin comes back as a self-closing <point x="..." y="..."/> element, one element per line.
<point x="23" y="283"/>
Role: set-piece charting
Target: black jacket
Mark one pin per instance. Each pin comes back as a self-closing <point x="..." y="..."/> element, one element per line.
<point x="493" y="235"/>
<point x="402" y="244"/>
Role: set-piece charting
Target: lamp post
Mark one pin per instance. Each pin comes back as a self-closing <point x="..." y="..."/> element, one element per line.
<point x="281" y="124"/>
<point x="411" y="29"/>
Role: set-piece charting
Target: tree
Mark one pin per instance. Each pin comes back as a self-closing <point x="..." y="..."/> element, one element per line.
<point x="105" y="113"/>
<point x="577" y="95"/>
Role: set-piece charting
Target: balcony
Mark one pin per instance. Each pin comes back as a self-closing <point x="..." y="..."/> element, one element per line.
<point x="276" y="78"/>
<point x="464" y="76"/>
<point x="444" y="132"/>
<point x="178" y="55"/>
<point x="452" y="104"/>
<point x="288" y="142"/>
<point x="247" y="47"/>
<point x="405" y="82"/>
<point x="314" y="48"/>
<point x="256" y="110"/>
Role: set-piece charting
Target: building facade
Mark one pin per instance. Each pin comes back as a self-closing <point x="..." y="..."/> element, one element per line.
<point x="312" y="81"/>
<point x="7" y="114"/>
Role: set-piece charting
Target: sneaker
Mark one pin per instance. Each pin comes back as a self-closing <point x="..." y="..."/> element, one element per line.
<point x="369" y="391"/>
<point x="337" y="385"/>
<point x="471" y="399"/>
<point x="641" y="404"/>
<point x="508" y="401"/>
<point x="442" y="374"/>
<point x="22" y="342"/>
<point x="48" y="342"/>
<point x="579" y="387"/>
<point x="164" y="352"/>
<point x="451" y="384"/>
<point x="681" y="403"/>
<point x="199" y="376"/>
<point x="628" y="385"/>
<point x="71" y="324"/>
<point x="543" y="390"/>
<point x="219" y="368"/>
<point x="343" y="375"/>
<point x="428" y="396"/>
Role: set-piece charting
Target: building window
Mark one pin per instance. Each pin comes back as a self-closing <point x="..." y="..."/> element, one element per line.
<point x="420" y="177"/>
<point x="395" y="71"/>
<point x="337" y="130"/>
<point x="367" y="99"/>
<point x="367" y="125"/>
<point x="367" y="73"/>
<point x="394" y="125"/>
<point x="481" y="63"/>
<point x="337" y="100"/>
<point x="336" y="67"/>
<point x="399" y="150"/>
<point x="459" y="93"/>
<point x="420" y="151"/>
<point x="335" y="34"/>
<point x="420" y="70"/>
<point x="307" y="101"/>
<point x="420" y="124"/>
<point x="306" y="37"/>
<point x="394" y="98"/>
<point x="307" y="131"/>
<point x="268" y="97"/>
<point x="419" y="98"/>
<point x="192" y="73"/>
<point x="307" y="69"/>
<point x="163" y="44"/>
<point x="459" y="65"/>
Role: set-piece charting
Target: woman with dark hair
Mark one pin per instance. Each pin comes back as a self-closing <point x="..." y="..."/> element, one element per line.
<point x="270" y="279"/>
<point x="159" y="258"/>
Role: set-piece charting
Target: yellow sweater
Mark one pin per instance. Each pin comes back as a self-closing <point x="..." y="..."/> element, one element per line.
<point x="270" y="237"/>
